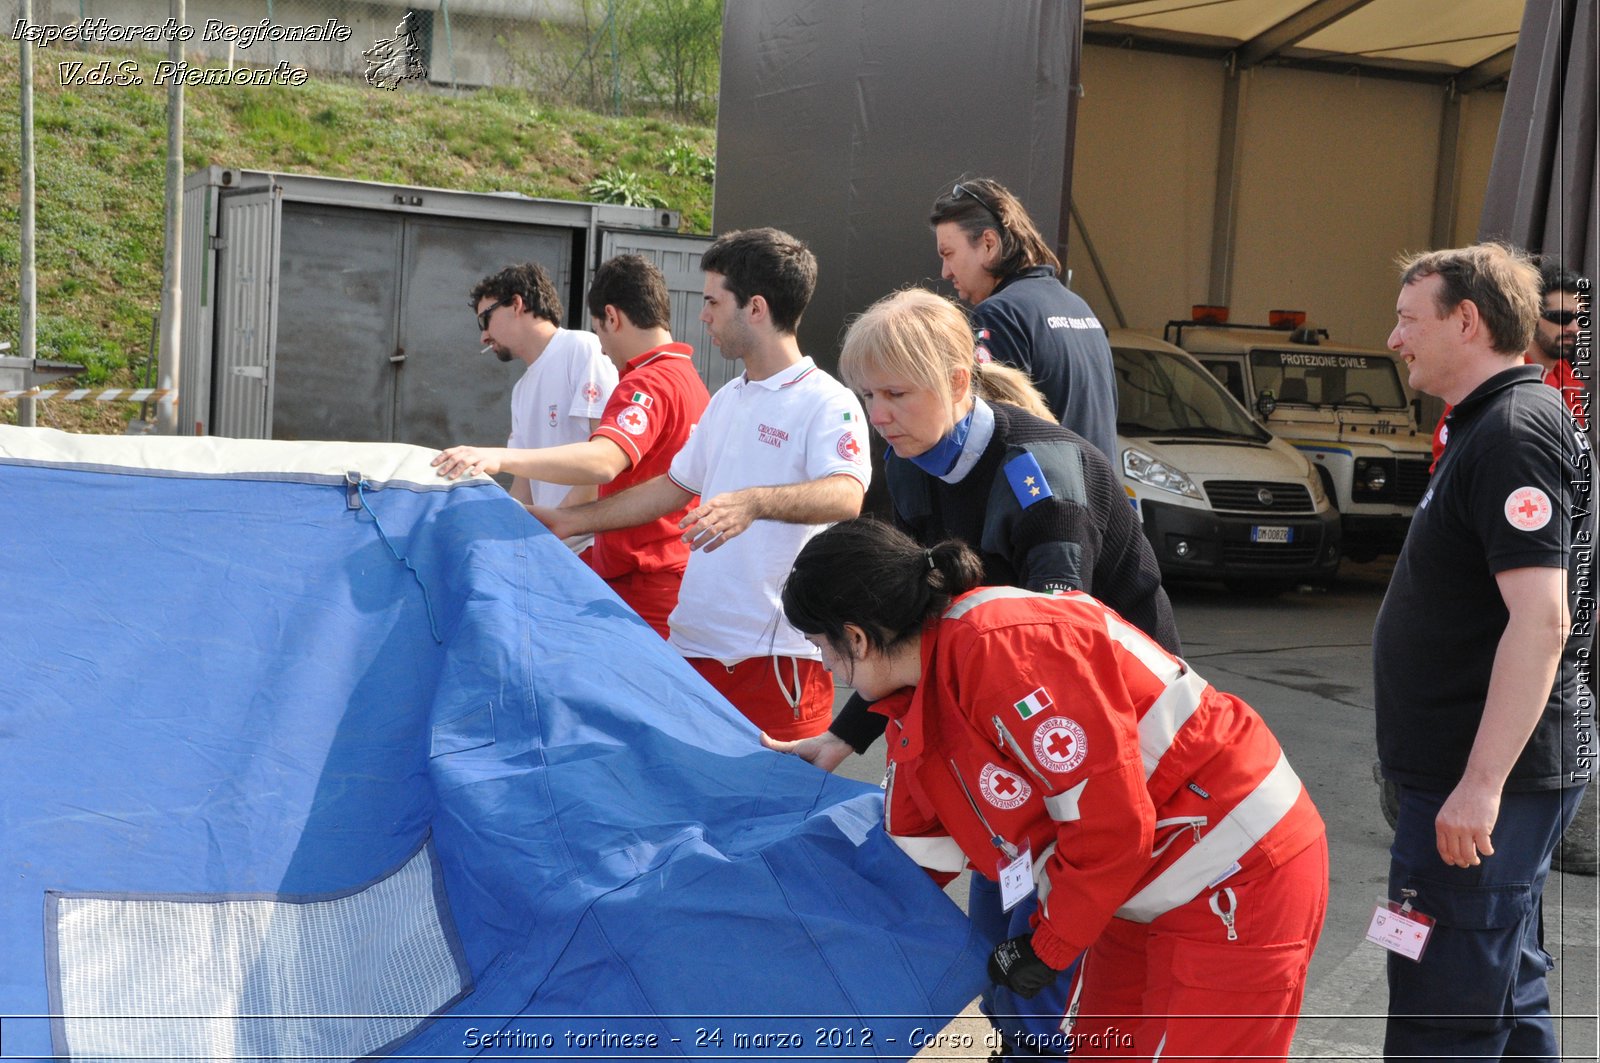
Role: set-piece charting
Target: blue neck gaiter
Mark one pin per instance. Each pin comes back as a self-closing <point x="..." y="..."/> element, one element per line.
<point x="941" y="457"/>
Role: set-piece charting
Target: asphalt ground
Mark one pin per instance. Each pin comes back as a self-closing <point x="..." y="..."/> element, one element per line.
<point x="1304" y="661"/>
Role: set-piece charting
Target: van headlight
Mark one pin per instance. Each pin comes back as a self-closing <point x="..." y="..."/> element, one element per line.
<point x="1142" y="468"/>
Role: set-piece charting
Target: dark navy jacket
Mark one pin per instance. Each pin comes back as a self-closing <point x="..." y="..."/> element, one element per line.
<point x="1034" y="323"/>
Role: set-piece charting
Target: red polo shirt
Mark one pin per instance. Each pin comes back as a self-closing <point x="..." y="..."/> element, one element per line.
<point x="1564" y="378"/>
<point x="656" y="403"/>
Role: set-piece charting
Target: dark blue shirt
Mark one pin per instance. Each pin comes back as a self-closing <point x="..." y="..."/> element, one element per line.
<point x="1511" y="491"/>
<point x="1033" y="322"/>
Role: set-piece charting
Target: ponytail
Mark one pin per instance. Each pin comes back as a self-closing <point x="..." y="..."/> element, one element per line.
<point x="870" y="574"/>
<point x="994" y="382"/>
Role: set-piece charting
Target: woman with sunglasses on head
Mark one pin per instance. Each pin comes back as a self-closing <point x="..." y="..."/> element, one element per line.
<point x="1022" y="314"/>
<point x="1050" y="746"/>
<point x="972" y="457"/>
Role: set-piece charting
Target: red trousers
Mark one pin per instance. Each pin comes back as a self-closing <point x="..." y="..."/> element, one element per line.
<point x="653" y="595"/>
<point x="787" y="697"/>
<point x="1177" y="988"/>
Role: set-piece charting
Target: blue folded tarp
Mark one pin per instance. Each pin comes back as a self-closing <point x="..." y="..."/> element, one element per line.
<point x="303" y="754"/>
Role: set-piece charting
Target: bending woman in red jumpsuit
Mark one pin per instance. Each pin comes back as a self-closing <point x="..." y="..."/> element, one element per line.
<point x="1049" y="745"/>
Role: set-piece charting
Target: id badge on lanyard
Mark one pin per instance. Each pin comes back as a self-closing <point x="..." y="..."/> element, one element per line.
<point x="1400" y="928"/>
<point x="1016" y="878"/>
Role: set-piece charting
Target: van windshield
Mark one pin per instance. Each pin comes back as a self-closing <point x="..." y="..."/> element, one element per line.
<point x="1164" y="394"/>
<point x="1309" y="377"/>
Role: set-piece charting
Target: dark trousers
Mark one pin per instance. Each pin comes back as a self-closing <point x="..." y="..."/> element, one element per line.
<point x="1479" y="990"/>
<point x="1030" y="1027"/>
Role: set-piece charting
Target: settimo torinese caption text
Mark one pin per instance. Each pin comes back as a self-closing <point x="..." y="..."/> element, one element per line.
<point x="93" y="31"/>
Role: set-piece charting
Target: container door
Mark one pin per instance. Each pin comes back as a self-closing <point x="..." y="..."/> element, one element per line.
<point x="447" y="389"/>
<point x="338" y="316"/>
<point x="678" y="258"/>
<point x="246" y="311"/>
<point x="199" y="305"/>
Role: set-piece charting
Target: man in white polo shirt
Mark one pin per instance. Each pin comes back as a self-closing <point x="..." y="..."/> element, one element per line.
<point x="779" y="454"/>
<point x="560" y="396"/>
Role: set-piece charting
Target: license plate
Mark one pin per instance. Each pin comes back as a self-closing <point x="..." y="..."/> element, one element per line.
<point x="1271" y="533"/>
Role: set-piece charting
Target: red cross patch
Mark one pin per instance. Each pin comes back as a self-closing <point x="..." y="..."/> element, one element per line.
<point x="633" y="420"/>
<point x="1002" y="788"/>
<point x="1060" y="744"/>
<point x="1528" y="508"/>
<point x="591" y="391"/>
<point x="849" y="449"/>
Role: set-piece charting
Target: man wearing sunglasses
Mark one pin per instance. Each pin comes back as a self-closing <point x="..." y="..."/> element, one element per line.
<point x="562" y="393"/>
<point x="1554" y="347"/>
<point x="1555" y="344"/>
<point x="658" y="401"/>
<point x="1023" y="315"/>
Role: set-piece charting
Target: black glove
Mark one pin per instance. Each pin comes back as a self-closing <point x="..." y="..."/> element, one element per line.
<point x="1016" y="966"/>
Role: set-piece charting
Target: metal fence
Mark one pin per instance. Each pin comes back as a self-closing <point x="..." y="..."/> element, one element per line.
<point x="620" y="56"/>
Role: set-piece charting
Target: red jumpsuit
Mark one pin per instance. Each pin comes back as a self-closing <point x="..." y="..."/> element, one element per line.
<point x="1169" y="836"/>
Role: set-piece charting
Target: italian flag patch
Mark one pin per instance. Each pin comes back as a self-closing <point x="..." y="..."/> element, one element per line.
<point x="641" y="399"/>
<point x="1034" y="703"/>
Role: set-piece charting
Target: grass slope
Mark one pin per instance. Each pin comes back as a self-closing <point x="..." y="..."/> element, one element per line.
<point x="100" y="165"/>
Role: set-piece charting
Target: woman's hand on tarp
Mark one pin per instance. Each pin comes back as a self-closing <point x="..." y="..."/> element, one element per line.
<point x="826" y="750"/>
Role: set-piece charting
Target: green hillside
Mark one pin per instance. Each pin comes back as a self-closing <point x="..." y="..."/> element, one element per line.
<point x="101" y="163"/>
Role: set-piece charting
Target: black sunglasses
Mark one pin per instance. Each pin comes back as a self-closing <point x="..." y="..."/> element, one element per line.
<point x="488" y="312"/>
<point x="1558" y="317"/>
<point x="962" y="190"/>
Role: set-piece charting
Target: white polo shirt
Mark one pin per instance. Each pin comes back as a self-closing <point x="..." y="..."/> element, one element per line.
<point x="793" y="427"/>
<point x="554" y="400"/>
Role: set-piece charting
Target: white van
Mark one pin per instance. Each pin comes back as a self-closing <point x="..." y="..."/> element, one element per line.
<point x="1345" y="408"/>
<point x="1218" y="495"/>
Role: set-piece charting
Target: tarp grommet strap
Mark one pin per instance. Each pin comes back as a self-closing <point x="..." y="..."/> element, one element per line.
<point x="427" y="602"/>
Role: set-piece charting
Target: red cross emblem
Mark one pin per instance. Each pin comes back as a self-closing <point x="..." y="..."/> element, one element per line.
<point x="849" y="449"/>
<point x="1001" y="788"/>
<point x="1528" y="509"/>
<point x="633" y="420"/>
<point x="1059" y="744"/>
